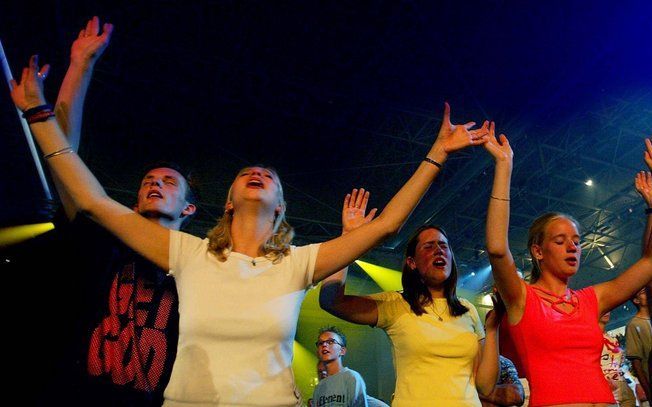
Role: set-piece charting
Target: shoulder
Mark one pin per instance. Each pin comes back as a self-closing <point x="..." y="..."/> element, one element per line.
<point x="387" y="296"/>
<point x="637" y="322"/>
<point x="588" y="295"/>
<point x="186" y="239"/>
<point x="185" y="245"/>
<point x="351" y="373"/>
<point x="586" y="291"/>
<point x="473" y="311"/>
<point x="467" y="303"/>
<point x="304" y="250"/>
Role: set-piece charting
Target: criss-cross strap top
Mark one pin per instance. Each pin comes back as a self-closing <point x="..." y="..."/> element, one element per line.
<point x="570" y="298"/>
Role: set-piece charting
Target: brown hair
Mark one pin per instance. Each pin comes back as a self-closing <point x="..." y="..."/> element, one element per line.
<point x="416" y="293"/>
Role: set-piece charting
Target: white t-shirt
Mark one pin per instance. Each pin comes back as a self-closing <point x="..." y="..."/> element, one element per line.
<point x="433" y="358"/>
<point x="237" y="324"/>
<point x="344" y="389"/>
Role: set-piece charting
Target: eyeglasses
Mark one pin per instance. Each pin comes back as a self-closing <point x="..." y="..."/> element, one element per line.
<point x="328" y="342"/>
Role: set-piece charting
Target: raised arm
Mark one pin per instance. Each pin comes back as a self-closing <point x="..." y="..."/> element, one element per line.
<point x="509" y="284"/>
<point x="338" y="253"/>
<point x="615" y="292"/>
<point x="148" y="238"/>
<point x="510" y="391"/>
<point x="487" y="364"/>
<point x="84" y="53"/>
<point x="352" y="308"/>
<point x="643" y="185"/>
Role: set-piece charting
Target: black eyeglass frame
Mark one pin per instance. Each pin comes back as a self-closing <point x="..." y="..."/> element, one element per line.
<point x="329" y="342"/>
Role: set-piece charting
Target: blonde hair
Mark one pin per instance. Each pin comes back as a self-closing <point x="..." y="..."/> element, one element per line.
<point x="275" y="248"/>
<point x="535" y="236"/>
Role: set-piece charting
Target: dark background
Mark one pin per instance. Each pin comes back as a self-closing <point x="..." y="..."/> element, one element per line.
<point x="340" y="94"/>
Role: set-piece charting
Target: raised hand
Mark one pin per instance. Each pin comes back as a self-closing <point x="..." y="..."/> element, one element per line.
<point x="499" y="148"/>
<point x="90" y="44"/>
<point x="29" y="92"/>
<point x="643" y="184"/>
<point x="648" y="153"/>
<point x="453" y="137"/>
<point x="354" y="208"/>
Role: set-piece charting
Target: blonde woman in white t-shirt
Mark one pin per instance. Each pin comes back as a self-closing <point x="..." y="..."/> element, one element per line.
<point x="239" y="290"/>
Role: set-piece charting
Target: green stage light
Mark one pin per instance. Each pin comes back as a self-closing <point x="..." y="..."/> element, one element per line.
<point x="305" y="370"/>
<point x="387" y="279"/>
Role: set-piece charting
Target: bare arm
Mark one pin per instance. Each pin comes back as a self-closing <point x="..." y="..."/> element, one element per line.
<point x="487" y="365"/>
<point x="352" y="308"/>
<point x="612" y="293"/>
<point x="509" y="284"/>
<point x="338" y="253"/>
<point x="149" y="239"/>
<point x="643" y="185"/>
<point x="511" y="394"/>
<point x="84" y="53"/>
<point x="637" y="366"/>
<point x="505" y="394"/>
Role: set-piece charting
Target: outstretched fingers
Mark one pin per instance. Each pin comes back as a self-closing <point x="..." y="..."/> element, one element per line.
<point x="643" y="185"/>
<point x="648" y="153"/>
<point x="478" y="133"/>
<point x="107" y="31"/>
<point x="371" y="215"/>
<point x="43" y="73"/>
<point x="354" y="210"/>
<point x="347" y="200"/>
<point x="354" y="198"/>
<point x="482" y="135"/>
<point x="362" y="199"/>
<point x="447" y="114"/>
<point x="92" y="27"/>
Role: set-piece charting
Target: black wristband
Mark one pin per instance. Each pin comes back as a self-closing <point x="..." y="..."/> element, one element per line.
<point x="433" y="162"/>
<point x="648" y="211"/>
<point x="30" y="112"/>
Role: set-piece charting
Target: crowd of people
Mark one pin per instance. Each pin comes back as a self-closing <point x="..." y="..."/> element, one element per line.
<point x="181" y="320"/>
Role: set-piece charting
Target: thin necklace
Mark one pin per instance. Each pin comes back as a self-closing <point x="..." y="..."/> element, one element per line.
<point x="434" y="309"/>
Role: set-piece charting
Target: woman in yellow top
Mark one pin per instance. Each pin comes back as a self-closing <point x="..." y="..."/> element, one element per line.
<point x="438" y="342"/>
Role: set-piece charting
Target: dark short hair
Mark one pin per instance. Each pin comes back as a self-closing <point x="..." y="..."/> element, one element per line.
<point x="334" y="330"/>
<point x="638" y="306"/>
<point x="192" y="192"/>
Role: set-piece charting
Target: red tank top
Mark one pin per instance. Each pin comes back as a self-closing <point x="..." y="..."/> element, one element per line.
<point x="559" y="353"/>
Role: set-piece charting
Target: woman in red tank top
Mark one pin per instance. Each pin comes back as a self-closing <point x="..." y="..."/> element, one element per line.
<point x="553" y="329"/>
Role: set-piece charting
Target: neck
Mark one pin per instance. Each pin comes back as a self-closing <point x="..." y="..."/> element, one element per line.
<point x="334" y="366"/>
<point x="436" y="292"/>
<point x="643" y="312"/>
<point x="165" y="221"/>
<point x="250" y="231"/>
<point x="552" y="284"/>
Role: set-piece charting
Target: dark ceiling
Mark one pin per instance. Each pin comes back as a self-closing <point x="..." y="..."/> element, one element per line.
<point x="340" y="94"/>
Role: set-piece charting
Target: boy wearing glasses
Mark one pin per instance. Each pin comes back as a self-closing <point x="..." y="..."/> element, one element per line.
<point x="343" y="387"/>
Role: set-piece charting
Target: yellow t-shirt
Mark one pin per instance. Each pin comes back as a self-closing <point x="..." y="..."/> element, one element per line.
<point x="433" y="359"/>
